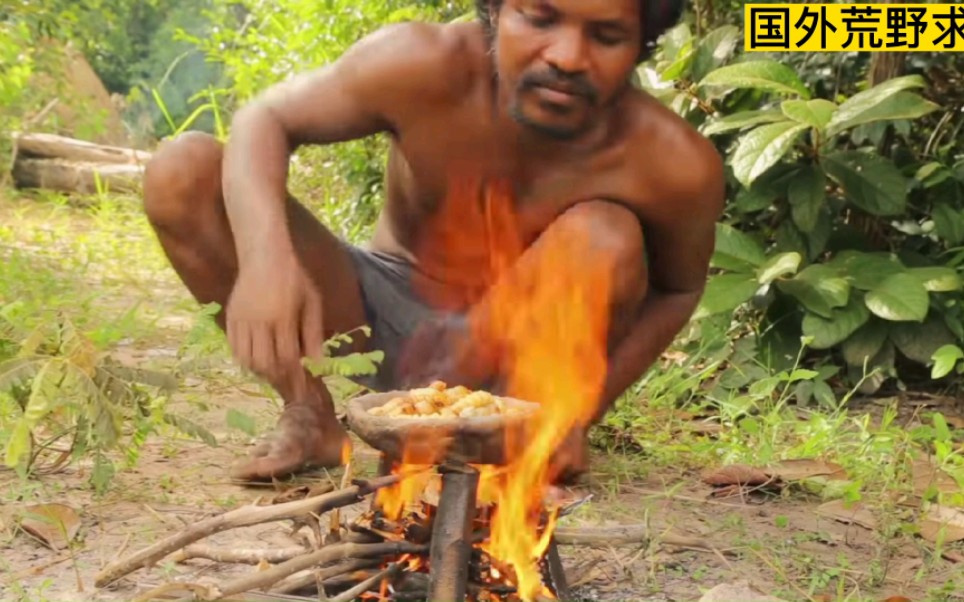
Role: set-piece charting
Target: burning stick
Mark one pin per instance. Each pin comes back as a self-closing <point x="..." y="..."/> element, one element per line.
<point x="241" y="517"/>
<point x="451" y="542"/>
<point x="364" y="586"/>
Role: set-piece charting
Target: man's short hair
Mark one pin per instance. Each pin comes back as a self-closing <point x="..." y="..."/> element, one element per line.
<point x="655" y="17"/>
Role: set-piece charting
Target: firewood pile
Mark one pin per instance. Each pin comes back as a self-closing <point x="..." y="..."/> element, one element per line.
<point x="69" y="165"/>
<point x="431" y="550"/>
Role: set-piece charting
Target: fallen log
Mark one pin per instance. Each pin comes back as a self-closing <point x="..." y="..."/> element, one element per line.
<point x="51" y="146"/>
<point x="623" y="535"/>
<point x="68" y="176"/>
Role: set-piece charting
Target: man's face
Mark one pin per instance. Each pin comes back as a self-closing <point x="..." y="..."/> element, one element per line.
<point x="561" y="60"/>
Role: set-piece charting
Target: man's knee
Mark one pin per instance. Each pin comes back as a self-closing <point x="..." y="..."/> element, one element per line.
<point x="183" y="174"/>
<point x="615" y="233"/>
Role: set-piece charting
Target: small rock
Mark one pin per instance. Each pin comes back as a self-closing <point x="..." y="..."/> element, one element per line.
<point x="741" y="591"/>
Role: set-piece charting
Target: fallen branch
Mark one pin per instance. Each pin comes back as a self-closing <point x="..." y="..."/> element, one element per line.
<point x="622" y="535"/>
<point x="267" y="578"/>
<point x="241" y="517"/>
<point x="239" y="555"/>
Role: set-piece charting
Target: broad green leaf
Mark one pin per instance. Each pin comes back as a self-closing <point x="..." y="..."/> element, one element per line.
<point x="18" y="444"/>
<point x="681" y="64"/>
<point x="938" y="279"/>
<point x="919" y="341"/>
<point x="818" y="238"/>
<point x="778" y="266"/>
<point x="816" y="113"/>
<point x="736" y="249"/>
<point x="45" y="388"/>
<point x="676" y="39"/>
<point x="724" y="293"/>
<point x="886" y="101"/>
<point x="713" y="50"/>
<point x="945" y="359"/>
<point x="867" y="270"/>
<point x="868" y="98"/>
<point x="806" y="196"/>
<point x="789" y="238"/>
<point x="819" y="288"/>
<point x="949" y="223"/>
<point x="898" y="298"/>
<point x="753" y="199"/>
<point x="762" y="75"/>
<point x="843" y="322"/>
<point x="762" y="148"/>
<point x="869" y="181"/>
<point x="864" y="344"/>
<point x="738" y="121"/>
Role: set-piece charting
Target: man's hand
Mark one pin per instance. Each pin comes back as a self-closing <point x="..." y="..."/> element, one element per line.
<point x="274" y="318"/>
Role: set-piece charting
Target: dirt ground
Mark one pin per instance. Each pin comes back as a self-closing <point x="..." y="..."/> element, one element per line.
<point x="779" y="543"/>
<point x="772" y="543"/>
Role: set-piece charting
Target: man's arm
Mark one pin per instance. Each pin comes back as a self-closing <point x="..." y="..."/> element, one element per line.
<point x="679" y="241"/>
<point x="372" y="88"/>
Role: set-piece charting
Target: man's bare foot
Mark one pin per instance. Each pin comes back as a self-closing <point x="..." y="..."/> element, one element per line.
<point x="303" y="439"/>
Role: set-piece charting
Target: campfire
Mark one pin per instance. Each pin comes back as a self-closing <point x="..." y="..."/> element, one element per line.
<point x="459" y="509"/>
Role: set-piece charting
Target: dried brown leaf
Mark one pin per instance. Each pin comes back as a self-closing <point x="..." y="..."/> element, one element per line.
<point x="55" y="525"/>
<point x="926" y="474"/>
<point x="806" y="468"/>
<point x="897" y="599"/>
<point x="736" y="474"/>
<point x="937" y="518"/>
<point x="854" y="513"/>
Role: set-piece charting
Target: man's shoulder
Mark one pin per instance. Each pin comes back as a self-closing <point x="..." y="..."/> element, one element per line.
<point x="682" y="164"/>
<point x="441" y="57"/>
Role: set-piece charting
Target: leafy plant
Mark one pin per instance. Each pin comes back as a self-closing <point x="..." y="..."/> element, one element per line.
<point x="825" y="236"/>
<point x="73" y="400"/>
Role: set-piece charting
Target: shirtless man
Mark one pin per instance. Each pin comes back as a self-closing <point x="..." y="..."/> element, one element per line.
<point x="536" y="92"/>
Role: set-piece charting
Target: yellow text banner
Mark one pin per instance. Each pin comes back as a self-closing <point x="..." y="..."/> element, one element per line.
<point x="831" y="27"/>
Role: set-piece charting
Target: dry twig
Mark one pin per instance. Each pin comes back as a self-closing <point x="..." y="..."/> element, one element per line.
<point x="241" y="517"/>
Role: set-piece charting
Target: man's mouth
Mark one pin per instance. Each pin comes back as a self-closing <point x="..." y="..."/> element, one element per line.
<point x="560" y="96"/>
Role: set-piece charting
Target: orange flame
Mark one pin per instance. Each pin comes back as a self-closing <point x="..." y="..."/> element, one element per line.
<point x="417" y="454"/>
<point x="549" y="317"/>
<point x="346" y="452"/>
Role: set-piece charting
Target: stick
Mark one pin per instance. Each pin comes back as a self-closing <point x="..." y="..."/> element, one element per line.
<point x="239" y="555"/>
<point x="241" y="517"/>
<point x="364" y="586"/>
<point x="325" y="555"/>
<point x="622" y="535"/>
<point x="452" y="533"/>
<point x="327" y="575"/>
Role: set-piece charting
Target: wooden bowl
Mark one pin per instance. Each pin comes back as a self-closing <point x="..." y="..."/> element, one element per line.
<point x="436" y="440"/>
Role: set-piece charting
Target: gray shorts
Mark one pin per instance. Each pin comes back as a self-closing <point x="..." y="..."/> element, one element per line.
<point x="394" y="310"/>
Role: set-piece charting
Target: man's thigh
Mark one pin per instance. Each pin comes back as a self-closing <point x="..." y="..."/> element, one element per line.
<point x="394" y="310"/>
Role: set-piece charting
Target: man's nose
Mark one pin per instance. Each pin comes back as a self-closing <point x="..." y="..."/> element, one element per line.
<point x="567" y="52"/>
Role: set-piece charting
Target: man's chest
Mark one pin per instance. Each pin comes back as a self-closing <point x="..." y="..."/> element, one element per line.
<point x="462" y="175"/>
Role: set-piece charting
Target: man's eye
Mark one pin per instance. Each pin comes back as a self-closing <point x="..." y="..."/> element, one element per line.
<point x="538" y="19"/>
<point x="609" y="38"/>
